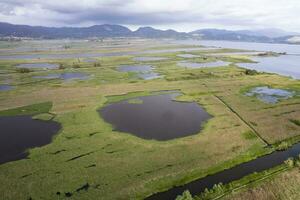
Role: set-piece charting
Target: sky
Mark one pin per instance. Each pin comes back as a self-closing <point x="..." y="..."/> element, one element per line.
<point x="181" y="15"/>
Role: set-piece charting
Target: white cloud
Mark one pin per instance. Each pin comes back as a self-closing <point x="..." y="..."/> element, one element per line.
<point x="182" y="15"/>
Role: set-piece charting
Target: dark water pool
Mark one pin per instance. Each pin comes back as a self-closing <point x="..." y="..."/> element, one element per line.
<point x="156" y="117"/>
<point x="229" y="175"/>
<point x="19" y="133"/>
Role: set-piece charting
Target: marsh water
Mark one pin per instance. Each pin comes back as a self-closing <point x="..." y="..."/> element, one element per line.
<point x="38" y="65"/>
<point x="6" y="87"/>
<point x="92" y="54"/>
<point x="19" y="133"/>
<point x="200" y="65"/>
<point x="65" y="76"/>
<point x="270" y="95"/>
<point x="156" y="117"/>
<point x="260" y="164"/>
<point x="188" y="55"/>
<point x="149" y="58"/>
<point x="143" y="71"/>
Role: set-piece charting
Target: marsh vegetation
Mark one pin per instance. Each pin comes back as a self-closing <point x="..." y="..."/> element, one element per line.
<point x="92" y="156"/>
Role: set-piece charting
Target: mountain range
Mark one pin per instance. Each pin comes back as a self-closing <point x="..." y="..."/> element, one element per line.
<point x="108" y="30"/>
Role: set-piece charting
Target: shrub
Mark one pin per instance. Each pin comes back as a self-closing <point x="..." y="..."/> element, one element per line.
<point x="296" y="122"/>
<point x="61" y="66"/>
<point x="283" y="146"/>
<point x="186" y="195"/>
<point x="251" y="72"/>
<point x="97" y="64"/>
<point x="76" y="65"/>
<point x="23" y="70"/>
<point x="290" y="162"/>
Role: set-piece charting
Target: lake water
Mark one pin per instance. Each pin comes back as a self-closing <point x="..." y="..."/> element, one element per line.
<point x="156" y="117"/>
<point x="201" y="65"/>
<point x="279" y="48"/>
<point x="270" y="95"/>
<point x="38" y="66"/>
<point x="19" y="133"/>
<point x="287" y="65"/>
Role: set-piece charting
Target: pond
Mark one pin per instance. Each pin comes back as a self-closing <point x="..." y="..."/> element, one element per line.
<point x="65" y="76"/>
<point x="29" y="133"/>
<point x="148" y="58"/>
<point x="38" y="66"/>
<point x="201" y="65"/>
<point x="270" y="95"/>
<point x="156" y="117"/>
<point x="143" y="71"/>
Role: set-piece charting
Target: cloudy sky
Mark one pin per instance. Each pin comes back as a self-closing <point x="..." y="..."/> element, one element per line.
<point x="182" y="15"/>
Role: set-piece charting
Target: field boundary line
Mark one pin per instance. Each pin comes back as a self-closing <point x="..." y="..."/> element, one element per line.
<point x="241" y="118"/>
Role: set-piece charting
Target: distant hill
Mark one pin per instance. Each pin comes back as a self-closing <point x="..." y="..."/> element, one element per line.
<point x="150" y="32"/>
<point x="105" y="30"/>
<point x="268" y="32"/>
<point x="108" y="30"/>
<point x="220" y="34"/>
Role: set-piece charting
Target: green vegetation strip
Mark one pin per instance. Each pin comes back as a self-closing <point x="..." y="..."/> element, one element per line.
<point x="33" y="109"/>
